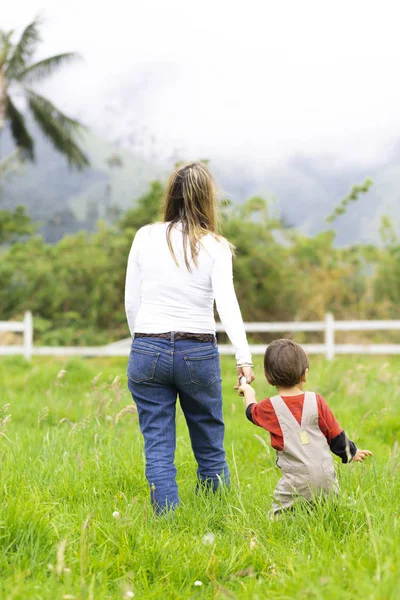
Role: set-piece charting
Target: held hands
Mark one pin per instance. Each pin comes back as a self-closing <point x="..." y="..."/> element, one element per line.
<point x="245" y="377"/>
<point x="361" y="455"/>
<point x="246" y="372"/>
<point x="242" y="386"/>
<point x="244" y="389"/>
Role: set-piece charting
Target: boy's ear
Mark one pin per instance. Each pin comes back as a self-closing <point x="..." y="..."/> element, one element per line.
<point x="304" y="376"/>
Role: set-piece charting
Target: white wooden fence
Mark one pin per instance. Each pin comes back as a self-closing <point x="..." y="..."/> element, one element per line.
<point x="329" y="326"/>
<point x="26" y="328"/>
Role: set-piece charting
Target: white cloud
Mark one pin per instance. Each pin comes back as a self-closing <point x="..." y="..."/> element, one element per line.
<point x="255" y="79"/>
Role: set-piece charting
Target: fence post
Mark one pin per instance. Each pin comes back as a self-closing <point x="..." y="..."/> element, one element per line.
<point x="329" y="336"/>
<point x="28" y="335"/>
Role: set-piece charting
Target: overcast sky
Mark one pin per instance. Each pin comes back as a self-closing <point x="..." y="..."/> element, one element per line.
<point x="252" y="79"/>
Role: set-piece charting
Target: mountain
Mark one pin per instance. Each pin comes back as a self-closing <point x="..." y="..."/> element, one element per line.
<point x="306" y="188"/>
<point x="66" y="201"/>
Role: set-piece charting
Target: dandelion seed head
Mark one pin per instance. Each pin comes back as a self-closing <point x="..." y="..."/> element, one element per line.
<point x="198" y="583"/>
<point x="209" y="539"/>
<point x="116" y="514"/>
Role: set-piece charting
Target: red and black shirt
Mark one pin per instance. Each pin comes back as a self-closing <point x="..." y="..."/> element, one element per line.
<point x="263" y="415"/>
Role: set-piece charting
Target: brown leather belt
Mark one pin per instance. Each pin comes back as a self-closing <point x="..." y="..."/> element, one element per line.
<point x="179" y="335"/>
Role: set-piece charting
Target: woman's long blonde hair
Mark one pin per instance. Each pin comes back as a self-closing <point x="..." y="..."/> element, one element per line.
<point x="190" y="200"/>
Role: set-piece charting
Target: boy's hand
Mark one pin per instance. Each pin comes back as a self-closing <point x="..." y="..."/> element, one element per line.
<point x="242" y="387"/>
<point x="361" y="455"/>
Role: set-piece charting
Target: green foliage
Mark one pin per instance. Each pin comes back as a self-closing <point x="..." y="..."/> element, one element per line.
<point x="17" y="72"/>
<point x="353" y="196"/>
<point x="82" y="275"/>
<point x="265" y="278"/>
<point x="14" y="224"/>
<point x="147" y="210"/>
<point x="19" y="55"/>
<point x="19" y="131"/>
<point x="57" y="127"/>
<point x="72" y="455"/>
<point x="75" y="288"/>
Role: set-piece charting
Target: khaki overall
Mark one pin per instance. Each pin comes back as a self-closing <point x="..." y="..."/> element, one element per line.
<point x="306" y="460"/>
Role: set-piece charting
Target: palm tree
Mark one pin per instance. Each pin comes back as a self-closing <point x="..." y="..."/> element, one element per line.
<point x="17" y="74"/>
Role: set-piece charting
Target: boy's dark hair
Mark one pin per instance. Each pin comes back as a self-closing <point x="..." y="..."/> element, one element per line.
<point x="284" y="363"/>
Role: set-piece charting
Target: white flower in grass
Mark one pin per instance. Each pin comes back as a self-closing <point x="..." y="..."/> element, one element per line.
<point x="116" y="514"/>
<point x="253" y="543"/>
<point x="209" y="539"/>
<point x="129" y="594"/>
<point x="198" y="583"/>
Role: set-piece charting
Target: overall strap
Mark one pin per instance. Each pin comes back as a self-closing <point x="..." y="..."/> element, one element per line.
<point x="310" y="410"/>
<point x="284" y="415"/>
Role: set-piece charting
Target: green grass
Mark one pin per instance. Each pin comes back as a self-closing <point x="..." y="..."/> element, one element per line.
<point x="67" y="463"/>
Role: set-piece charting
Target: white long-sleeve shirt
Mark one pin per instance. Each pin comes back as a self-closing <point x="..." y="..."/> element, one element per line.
<point x="161" y="296"/>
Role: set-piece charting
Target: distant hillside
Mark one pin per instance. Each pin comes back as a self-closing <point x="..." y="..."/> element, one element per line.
<point x="306" y="189"/>
<point x="66" y="201"/>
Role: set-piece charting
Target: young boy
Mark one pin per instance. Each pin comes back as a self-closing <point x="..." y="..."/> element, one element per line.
<point x="302" y="427"/>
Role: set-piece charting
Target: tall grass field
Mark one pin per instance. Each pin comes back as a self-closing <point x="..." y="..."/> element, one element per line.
<point x="76" y="520"/>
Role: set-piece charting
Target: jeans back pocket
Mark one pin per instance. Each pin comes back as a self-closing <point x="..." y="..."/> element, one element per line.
<point x="203" y="370"/>
<point x="142" y="365"/>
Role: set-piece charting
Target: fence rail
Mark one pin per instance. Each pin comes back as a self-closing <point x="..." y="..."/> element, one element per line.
<point x="121" y="348"/>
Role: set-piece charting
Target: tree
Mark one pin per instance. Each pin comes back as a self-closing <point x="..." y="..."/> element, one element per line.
<point x="14" y="224"/>
<point x="147" y="210"/>
<point x="18" y="73"/>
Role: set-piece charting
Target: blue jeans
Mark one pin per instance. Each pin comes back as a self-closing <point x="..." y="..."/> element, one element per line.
<point x="158" y="371"/>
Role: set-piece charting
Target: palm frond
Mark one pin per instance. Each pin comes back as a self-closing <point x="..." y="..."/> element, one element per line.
<point x="45" y="68"/>
<point x="24" y="49"/>
<point x="58" y="128"/>
<point x="5" y="46"/>
<point x="19" y="131"/>
<point x="71" y="125"/>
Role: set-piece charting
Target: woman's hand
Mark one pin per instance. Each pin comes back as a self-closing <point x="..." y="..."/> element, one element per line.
<point x="246" y="372"/>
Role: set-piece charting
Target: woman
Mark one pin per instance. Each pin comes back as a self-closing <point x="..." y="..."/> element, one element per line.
<point x="175" y="271"/>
